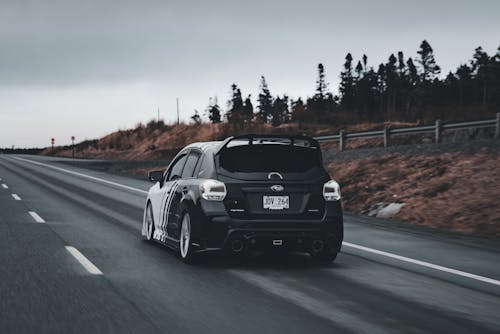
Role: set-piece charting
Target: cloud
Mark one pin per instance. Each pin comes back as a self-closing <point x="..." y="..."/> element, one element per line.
<point x="70" y="42"/>
<point x="107" y="59"/>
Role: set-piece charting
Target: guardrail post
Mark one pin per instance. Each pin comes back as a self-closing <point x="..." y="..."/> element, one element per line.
<point x="386" y="136"/>
<point x="438" y="131"/>
<point x="341" y="140"/>
<point x="497" y="126"/>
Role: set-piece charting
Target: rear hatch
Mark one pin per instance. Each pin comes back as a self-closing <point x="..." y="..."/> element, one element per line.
<point x="272" y="178"/>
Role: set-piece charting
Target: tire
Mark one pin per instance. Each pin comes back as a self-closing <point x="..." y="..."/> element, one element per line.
<point x="186" y="252"/>
<point x="150" y="223"/>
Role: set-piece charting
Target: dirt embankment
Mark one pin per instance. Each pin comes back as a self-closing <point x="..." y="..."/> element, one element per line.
<point x="456" y="190"/>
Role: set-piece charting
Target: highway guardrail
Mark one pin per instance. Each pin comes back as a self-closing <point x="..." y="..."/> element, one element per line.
<point x="437" y="128"/>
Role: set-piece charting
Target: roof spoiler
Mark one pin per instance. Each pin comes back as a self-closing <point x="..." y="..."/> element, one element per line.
<point x="254" y="139"/>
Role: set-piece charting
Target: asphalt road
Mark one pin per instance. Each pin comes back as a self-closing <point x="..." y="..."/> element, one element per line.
<point x="77" y="264"/>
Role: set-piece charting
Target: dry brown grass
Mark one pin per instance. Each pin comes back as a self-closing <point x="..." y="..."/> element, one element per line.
<point x="456" y="191"/>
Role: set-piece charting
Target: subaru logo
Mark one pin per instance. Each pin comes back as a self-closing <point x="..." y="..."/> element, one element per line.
<point x="277" y="187"/>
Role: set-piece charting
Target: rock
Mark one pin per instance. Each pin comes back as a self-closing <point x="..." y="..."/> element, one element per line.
<point x="390" y="210"/>
<point x="375" y="208"/>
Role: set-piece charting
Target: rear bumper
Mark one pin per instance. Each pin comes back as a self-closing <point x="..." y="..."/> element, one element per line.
<point x="220" y="232"/>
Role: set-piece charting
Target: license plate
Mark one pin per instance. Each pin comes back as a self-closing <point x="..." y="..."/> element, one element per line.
<point x="276" y="202"/>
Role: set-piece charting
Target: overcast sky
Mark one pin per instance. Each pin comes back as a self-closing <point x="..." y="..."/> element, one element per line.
<point x="87" y="68"/>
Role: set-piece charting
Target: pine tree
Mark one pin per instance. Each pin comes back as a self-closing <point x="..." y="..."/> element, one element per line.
<point x="196" y="117"/>
<point x="371" y="95"/>
<point x="464" y="74"/>
<point x="430" y="70"/>
<point x="235" y="111"/>
<point x="299" y="111"/>
<point x="413" y="80"/>
<point x="401" y="65"/>
<point x="494" y="82"/>
<point x="247" y="110"/>
<point x="391" y="82"/>
<point x="403" y="84"/>
<point x="358" y="87"/>
<point x="359" y="70"/>
<point x="265" y="102"/>
<point x="347" y="83"/>
<point x="451" y="89"/>
<point x="381" y="88"/>
<point x="318" y="105"/>
<point x="480" y="66"/>
<point x="214" y="111"/>
<point x="280" y="112"/>
<point x="321" y="84"/>
<point x="413" y="76"/>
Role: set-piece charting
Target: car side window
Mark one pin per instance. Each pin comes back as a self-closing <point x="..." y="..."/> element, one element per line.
<point x="176" y="170"/>
<point x="199" y="165"/>
<point x="190" y="166"/>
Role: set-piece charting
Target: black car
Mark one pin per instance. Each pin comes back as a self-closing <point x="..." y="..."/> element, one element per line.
<point x="251" y="192"/>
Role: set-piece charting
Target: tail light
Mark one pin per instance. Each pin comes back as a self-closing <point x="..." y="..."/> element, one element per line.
<point x="213" y="190"/>
<point x="331" y="191"/>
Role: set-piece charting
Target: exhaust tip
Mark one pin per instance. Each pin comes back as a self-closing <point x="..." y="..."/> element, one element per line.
<point x="237" y="246"/>
<point x="318" y="245"/>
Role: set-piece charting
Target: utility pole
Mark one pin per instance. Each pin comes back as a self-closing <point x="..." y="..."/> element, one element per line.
<point x="52" y="141"/>
<point x="177" y="99"/>
<point x="158" y="114"/>
<point x="73" y="145"/>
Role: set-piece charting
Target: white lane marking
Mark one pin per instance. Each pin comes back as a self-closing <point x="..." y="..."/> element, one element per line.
<point x="83" y="175"/>
<point x="36" y="217"/>
<point x="89" y="266"/>
<point x="424" y="264"/>
<point x="16" y="197"/>
<point x="5" y="186"/>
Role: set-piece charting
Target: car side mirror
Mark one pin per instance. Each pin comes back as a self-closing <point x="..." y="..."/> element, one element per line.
<point x="155" y="176"/>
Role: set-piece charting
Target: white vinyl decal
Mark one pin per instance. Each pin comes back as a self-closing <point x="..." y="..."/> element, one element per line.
<point x="168" y="204"/>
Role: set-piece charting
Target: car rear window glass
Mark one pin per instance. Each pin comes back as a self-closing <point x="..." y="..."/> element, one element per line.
<point x="278" y="157"/>
<point x="190" y="165"/>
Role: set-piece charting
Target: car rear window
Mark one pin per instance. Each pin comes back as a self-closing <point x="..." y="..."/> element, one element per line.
<point x="258" y="158"/>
